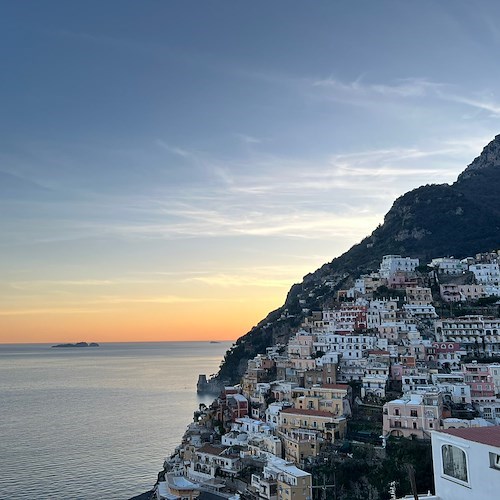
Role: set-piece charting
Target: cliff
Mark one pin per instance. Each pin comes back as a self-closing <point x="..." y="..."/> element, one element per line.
<point x="434" y="220"/>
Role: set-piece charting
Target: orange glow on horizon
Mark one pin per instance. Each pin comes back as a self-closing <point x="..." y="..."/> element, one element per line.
<point x="138" y="322"/>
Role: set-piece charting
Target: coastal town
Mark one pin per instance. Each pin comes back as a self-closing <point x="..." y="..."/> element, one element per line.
<point x="410" y="353"/>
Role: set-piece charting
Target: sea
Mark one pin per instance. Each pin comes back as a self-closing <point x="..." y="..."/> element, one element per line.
<point x="95" y="422"/>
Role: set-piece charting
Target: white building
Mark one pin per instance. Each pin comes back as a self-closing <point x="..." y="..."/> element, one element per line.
<point x="453" y="387"/>
<point x="380" y="311"/>
<point x="176" y="488"/>
<point x="350" y="346"/>
<point x="464" y="423"/>
<point x="367" y="284"/>
<point x="449" y="265"/>
<point x="210" y="458"/>
<point x="282" y="480"/>
<point x="273" y="411"/>
<point x="490" y="411"/>
<point x="412" y="382"/>
<point x="374" y="385"/>
<point x="486" y="274"/>
<point x="467" y="463"/>
<point x="492" y="290"/>
<point x="494" y="371"/>
<point x="347" y="319"/>
<point x="420" y="311"/>
<point x="261" y="444"/>
<point x="392" y="264"/>
<point x="474" y="333"/>
<point x="351" y="369"/>
<point x="418" y="295"/>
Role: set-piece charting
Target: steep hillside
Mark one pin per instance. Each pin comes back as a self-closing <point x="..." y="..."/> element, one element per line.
<point x="436" y="220"/>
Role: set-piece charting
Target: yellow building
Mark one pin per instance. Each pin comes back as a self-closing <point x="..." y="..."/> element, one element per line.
<point x="328" y="398"/>
<point x="327" y="424"/>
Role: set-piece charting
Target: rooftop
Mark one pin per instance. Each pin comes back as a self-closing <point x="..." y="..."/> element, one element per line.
<point x="316" y="413"/>
<point x="238" y="397"/>
<point x="483" y="435"/>
<point x="333" y="386"/>
<point x="180" y="482"/>
<point x="211" y="449"/>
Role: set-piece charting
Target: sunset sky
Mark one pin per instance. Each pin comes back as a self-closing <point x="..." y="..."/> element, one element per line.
<point x="168" y="169"/>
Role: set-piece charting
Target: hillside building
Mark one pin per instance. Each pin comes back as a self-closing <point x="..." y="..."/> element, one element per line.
<point x="415" y="414"/>
<point x="391" y="264"/>
<point x="466" y="463"/>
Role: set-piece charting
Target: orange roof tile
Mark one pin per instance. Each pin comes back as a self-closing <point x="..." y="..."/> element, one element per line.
<point x="484" y="435"/>
<point x="335" y="386"/>
<point x="315" y="413"/>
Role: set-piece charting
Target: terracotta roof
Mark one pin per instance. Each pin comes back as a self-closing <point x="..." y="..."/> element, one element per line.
<point x="484" y="435"/>
<point x="316" y="413"/>
<point x="334" y="386"/>
<point x="210" y="449"/>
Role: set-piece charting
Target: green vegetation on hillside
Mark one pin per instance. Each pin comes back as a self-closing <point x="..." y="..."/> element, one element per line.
<point x="431" y="221"/>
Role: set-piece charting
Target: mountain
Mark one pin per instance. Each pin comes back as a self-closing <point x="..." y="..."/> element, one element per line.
<point x="434" y="220"/>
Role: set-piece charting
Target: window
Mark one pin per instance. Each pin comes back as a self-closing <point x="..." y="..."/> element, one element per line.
<point x="413" y="413"/>
<point x="495" y="461"/>
<point x="454" y="462"/>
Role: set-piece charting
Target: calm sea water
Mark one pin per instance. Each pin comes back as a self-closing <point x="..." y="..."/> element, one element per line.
<point x="95" y="423"/>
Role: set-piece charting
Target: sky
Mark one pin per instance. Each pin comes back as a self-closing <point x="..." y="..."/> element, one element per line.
<point x="169" y="169"/>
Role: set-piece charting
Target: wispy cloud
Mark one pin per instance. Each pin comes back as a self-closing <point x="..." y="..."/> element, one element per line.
<point x="249" y="139"/>
<point x="359" y="92"/>
<point x="267" y="276"/>
<point x="334" y="196"/>
<point x="184" y="153"/>
<point x="493" y="108"/>
<point x="409" y="87"/>
<point x="238" y="280"/>
<point x="271" y="195"/>
<point x="196" y="222"/>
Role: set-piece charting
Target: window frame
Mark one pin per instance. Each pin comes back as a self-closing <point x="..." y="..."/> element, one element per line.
<point x="449" y="477"/>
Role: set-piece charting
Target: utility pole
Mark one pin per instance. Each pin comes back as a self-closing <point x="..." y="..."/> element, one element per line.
<point x="413" y="483"/>
<point x="323" y="487"/>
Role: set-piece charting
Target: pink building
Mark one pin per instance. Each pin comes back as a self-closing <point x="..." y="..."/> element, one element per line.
<point x="449" y="292"/>
<point x="416" y="414"/>
<point x="402" y="280"/>
<point x="231" y="405"/>
<point x="448" y="352"/>
<point x="348" y="318"/>
<point x="396" y="372"/>
<point x="478" y="377"/>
